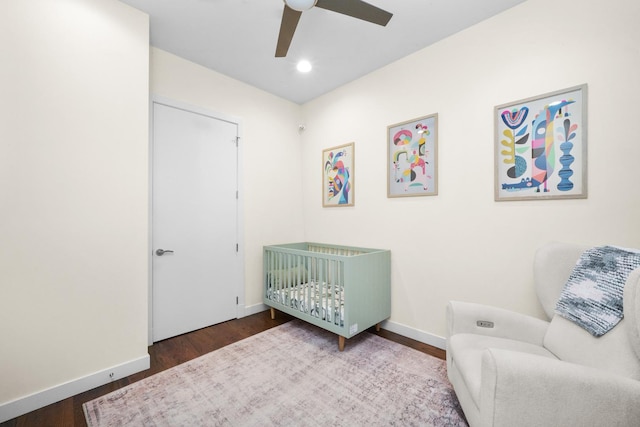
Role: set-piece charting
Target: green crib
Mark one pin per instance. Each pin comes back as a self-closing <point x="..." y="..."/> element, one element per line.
<point x="342" y="289"/>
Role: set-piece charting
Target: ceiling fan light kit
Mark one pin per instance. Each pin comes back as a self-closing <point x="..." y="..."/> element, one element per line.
<point x="300" y="5"/>
<point x="355" y="8"/>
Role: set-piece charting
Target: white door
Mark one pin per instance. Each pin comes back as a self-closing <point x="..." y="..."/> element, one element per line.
<point x="195" y="220"/>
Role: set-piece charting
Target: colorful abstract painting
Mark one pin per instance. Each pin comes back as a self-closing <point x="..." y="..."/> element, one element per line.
<point x="338" y="176"/>
<point x="541" y="147"/>
<point x="412" y="157"/>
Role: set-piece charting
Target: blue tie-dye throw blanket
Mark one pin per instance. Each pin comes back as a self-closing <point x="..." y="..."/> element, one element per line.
<point x="592" y="297"/>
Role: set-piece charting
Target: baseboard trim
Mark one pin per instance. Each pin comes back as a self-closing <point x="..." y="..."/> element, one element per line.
<point x="23" y="405"/>
<point x="254" y="309"/>
<point x="415" y="334"/>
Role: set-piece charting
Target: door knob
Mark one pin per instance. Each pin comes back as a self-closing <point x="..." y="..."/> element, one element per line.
<point x="161" y="252"/>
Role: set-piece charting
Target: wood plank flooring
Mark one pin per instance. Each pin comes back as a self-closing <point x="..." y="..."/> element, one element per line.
<point x="174" y="351"/>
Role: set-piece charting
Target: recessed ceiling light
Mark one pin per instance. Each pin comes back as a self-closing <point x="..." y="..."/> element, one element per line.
<point x="304" y="66"/>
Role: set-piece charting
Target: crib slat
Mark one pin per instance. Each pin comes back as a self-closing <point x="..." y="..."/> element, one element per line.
<point x="331" y="299"/>
<point x="322" y="280"/>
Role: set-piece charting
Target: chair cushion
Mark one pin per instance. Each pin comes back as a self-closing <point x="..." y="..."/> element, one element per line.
<point x="611" y="352"/>
<point x="466" y="354"/>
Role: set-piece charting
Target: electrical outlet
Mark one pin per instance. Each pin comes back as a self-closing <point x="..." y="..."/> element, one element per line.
<point x="484" y="324"/>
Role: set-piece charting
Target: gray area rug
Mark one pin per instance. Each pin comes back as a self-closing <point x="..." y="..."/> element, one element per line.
<point x="291" y="375"/>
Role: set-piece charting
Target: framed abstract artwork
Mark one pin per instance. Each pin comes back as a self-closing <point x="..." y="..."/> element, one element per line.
<point x="541" y="147"/>
<point x="412" y="157"/>
<point x="338" y="176"/>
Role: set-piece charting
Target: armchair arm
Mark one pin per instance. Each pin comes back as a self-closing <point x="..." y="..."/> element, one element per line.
<point x="528" y="390"/>
<point x="462" y="317"/>
<point x="632" y="309"/>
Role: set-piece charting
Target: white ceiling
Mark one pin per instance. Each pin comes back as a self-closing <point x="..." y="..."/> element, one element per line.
<point x="238" y="38"/>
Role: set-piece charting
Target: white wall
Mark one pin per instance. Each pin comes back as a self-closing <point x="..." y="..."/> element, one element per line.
<point x="461" y="244"/>
<point x="271" y="153"/>
<point x="73" y="197"/>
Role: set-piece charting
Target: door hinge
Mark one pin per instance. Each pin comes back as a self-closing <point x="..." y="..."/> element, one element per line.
<point x="237" y="140"/>
<point x="237" y="247"/>
<point x="237" y="195"/>
<point x="237" y="300"/>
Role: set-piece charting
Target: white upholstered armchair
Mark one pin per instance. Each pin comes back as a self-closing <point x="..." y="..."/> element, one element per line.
<point x="510" y="369"/>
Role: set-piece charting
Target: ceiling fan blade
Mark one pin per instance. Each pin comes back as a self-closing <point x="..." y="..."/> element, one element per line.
<point x="288" y="26"/>
<point x="357" y="9"/>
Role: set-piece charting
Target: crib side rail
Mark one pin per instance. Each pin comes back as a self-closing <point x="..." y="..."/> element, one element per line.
<point x="306" y="284"/>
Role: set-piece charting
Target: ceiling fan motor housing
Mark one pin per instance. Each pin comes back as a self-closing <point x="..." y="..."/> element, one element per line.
<point x="300" y="5"/>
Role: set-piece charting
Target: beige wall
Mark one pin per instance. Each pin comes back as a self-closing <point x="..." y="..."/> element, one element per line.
<point x="461" y="244"/>
<point x="271" y="153"/>
<point x="73" y="194"/>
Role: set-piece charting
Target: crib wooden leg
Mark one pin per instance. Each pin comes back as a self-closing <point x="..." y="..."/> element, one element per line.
<point x="377" y="327"/>
<point x="273" y="313"/>
<point x="340" y="343"/>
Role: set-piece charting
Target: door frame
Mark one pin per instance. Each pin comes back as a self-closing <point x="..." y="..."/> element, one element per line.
<point x="240" y="288"/>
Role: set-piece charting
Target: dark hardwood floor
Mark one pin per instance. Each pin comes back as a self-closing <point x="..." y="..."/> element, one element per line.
<point x="174" y="351"/>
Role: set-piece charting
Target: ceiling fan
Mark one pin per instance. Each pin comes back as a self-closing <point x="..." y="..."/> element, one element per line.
<point x="355" y="8"/>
